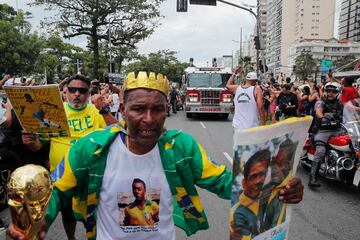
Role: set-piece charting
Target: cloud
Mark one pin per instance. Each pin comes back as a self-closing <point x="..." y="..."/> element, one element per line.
<point x="203" y="32"/>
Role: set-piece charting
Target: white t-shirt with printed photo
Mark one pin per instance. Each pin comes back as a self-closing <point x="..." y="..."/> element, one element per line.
<point x="152" y="222"/>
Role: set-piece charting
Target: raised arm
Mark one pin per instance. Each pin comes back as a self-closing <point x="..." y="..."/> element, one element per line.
<point x="230" y="83"/>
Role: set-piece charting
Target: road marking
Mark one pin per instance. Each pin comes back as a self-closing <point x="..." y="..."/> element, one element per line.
<point x="202" y="124"/>
<point x="228" y="157"/>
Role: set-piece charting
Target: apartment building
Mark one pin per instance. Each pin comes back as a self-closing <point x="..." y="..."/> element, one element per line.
<point x="349" y="24"/>
<point x="323" y="49"/>
<point x="292" y="21"/>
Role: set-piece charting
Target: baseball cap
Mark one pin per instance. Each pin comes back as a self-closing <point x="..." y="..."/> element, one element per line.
<point x="251" y="76"/>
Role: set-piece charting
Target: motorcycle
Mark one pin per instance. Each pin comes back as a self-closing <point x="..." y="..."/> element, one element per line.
<point x="341" y="161"/>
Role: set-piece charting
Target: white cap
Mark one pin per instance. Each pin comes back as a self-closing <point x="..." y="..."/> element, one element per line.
<point x="251" y="76"/>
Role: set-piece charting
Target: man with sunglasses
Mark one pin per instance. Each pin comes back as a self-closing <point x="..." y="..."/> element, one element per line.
<point x="328" y="123"/>
<point x="83" y="118"/>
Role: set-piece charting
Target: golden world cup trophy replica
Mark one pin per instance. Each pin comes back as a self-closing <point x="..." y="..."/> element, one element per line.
<point x="29" y="192"/>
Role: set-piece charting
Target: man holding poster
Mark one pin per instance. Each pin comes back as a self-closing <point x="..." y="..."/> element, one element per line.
<point x="264" y="163"/>
<point x="82" y="119"/>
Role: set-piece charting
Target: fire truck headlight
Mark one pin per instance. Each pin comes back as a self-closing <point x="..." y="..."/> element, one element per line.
<point x="227" y="98"/>
<point x="193" y="98"/>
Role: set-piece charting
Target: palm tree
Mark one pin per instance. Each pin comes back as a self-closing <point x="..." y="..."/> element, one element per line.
<point x="305" y="65"/>
<point x="246" y="63"/>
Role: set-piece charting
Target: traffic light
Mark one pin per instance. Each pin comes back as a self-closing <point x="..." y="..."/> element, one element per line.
<point x="181" y="5"/>
<point x="203" y="2"/>
<point x="257" y="42"/>
<point x="261" y="67"/>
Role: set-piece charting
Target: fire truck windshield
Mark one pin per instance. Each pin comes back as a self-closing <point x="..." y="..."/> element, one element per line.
<point x="207" y="80"/>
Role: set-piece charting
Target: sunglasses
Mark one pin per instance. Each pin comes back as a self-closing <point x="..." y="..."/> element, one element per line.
<point x="75" y="89"/>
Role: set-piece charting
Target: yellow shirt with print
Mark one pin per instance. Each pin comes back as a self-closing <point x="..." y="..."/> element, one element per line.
<point x="81" y="123"/>
<point x="147" y="216"/>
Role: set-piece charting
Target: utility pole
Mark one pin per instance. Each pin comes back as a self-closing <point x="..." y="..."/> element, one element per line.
<point x="110" y="57"/>
<point x="240" y="52"/>
<point x="258" y="29"/>
<point x="232" y="60"/>
<point x="77" y="66"/>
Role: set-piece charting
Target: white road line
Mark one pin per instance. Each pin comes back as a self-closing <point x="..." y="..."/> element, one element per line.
<point x="202" y="124"/>
<point x="228" y="157"/>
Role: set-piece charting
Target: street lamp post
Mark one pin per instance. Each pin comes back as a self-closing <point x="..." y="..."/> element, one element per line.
<point x="235" y="41"/>
<point x="258" y="30"/>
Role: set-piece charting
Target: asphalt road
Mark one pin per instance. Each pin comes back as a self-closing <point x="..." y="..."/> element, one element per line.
<point x="328" y="213"/>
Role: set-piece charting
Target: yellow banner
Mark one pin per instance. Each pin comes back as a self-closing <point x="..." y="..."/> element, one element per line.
<point x="39" y="109"/>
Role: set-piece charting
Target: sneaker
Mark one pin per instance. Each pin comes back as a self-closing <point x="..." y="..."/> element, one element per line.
<point x="314" y="183"/>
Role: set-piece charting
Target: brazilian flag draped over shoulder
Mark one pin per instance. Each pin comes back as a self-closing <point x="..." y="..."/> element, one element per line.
<point x="265" y="160"/>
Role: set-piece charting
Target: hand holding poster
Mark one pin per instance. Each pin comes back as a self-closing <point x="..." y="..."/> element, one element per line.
<point x="265" y="160"/>
<point x="39" y="109"/>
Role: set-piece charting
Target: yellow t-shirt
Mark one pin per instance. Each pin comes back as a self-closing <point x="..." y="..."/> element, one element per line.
<point x="81" y="123"/>
<point x="142" y="217"/>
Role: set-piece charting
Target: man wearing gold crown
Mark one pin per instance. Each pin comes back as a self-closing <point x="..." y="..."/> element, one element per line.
<point x="100" y="168"/>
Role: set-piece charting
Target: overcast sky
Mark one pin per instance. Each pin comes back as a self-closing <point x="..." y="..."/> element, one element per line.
<point x="203" y="32"/>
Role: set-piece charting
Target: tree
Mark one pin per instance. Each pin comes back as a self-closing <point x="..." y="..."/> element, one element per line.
<point x="19" y="47"/>
<point x="345" y="60"/>
<point x="130" y="21"/>
<point x="7" y="12"/>
<point x="246" y="63"/>
<point x="163" y="61"/>
<point x="305" y="65"/>
<point x="119" y="54"/>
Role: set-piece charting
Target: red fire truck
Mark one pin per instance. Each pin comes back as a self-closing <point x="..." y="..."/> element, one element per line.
<point x="206" y="91"/>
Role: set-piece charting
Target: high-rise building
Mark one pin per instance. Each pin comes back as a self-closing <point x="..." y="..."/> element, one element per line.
<point x="262" y="4"/>
<point x="349" y="25"/>
<point x="292" y="21"/>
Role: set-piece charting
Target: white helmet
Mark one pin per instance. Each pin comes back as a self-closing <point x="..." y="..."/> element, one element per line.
<point x="332" y="86"/>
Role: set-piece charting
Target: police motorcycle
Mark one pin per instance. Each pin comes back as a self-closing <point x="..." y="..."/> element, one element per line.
<point x="341" y="161"/>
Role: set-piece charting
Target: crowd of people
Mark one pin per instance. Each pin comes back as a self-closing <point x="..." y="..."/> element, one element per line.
<point x="284" y="99"/>
<point x="259" y="103"/>
<point x="124" y="151"/>
<point x="133" y="148"/>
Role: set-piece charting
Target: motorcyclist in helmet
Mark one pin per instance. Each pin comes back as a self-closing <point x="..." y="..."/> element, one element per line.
<point x="328" y="123"/>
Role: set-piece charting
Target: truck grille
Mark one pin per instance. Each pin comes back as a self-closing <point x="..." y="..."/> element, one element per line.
<point x="210" y="97"/>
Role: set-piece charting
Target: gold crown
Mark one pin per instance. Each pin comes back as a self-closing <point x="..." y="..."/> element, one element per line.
<point x="159" y="82"/>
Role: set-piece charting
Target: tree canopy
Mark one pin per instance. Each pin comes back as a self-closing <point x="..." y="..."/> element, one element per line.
<point x="129" y="21"/>
<point x="18" y="46"/>
<point x="24" y="52"/>
<point x="305" y="65"/>
<point x="163" y="61"/>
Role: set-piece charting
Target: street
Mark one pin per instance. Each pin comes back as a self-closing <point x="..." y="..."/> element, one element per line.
<point x="328" y="213"/>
